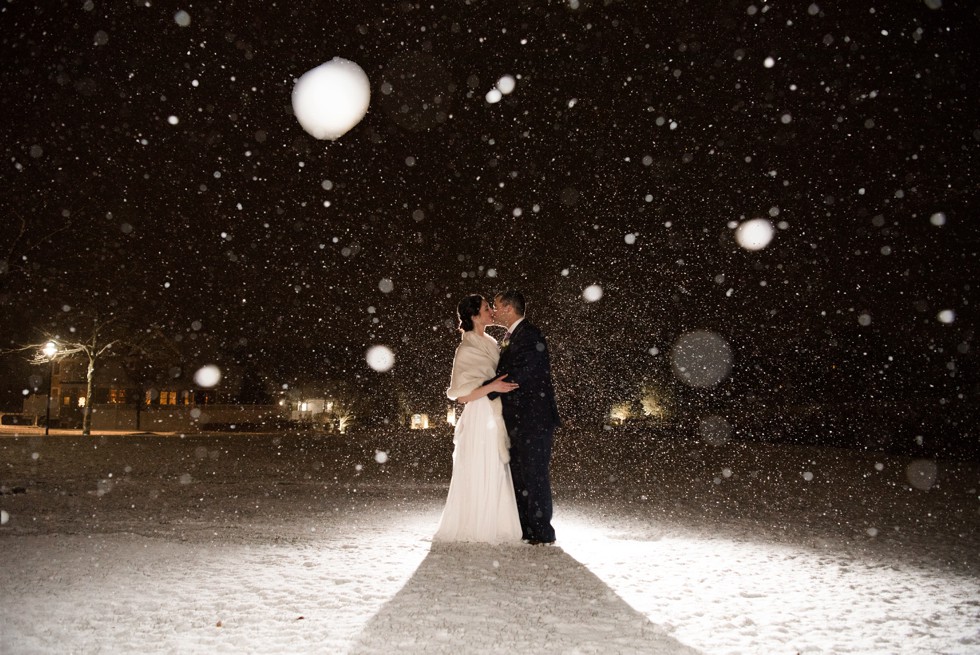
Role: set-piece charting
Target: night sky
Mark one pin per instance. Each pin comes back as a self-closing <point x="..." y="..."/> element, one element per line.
<point x="162" y="175"/>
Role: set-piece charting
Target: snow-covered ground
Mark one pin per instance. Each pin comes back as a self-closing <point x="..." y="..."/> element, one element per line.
<point x="293" y="543"/>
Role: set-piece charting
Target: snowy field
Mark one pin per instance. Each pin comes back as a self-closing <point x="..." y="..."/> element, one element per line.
<point x="298" y="544"/>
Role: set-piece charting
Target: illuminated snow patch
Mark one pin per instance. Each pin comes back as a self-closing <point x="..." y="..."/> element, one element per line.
<point x="592" y="293"/>
<point x="701" y="358"/>
<point x="380" y="358"/>
<point x="332" y="98"/>
<point x="754" y="234"/>
<point x="207" y="376"/>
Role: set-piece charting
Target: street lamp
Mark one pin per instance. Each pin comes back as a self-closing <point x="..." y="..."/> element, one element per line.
<point x="50" y="350"/>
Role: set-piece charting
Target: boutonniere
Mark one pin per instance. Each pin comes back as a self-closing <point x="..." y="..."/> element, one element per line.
<point x="505" y="342"/>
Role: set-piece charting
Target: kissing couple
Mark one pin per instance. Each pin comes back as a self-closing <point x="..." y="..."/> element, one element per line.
<point x="500" y="491"/>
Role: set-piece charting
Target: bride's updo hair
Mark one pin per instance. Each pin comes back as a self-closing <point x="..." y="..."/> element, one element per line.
<point x="467" y="308"/>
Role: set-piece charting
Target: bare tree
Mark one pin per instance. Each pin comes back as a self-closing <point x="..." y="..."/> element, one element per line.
<point x="104" y="338"/>
<point x="145" y="357"/>
<point x="17" y="244"/>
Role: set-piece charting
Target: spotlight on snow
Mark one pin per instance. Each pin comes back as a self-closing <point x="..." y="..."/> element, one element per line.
<point x="592" y="293"/>
<point x="715" y="430"/>
<point x="754" y="234"/>
<point x="921" y="474"/>
<point x="701" y="358"/>
<point x="332" y="98"/>
<point x="207" y="376"/>
<point x="380" y="358"/>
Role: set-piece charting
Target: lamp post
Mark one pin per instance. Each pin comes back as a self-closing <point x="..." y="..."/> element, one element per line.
<point x="50" y="350"/>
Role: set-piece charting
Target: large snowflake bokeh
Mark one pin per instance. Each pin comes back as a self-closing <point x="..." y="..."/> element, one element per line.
<point x="152" y="154"/>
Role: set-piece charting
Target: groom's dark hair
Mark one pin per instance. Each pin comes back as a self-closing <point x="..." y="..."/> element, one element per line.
<point x="514" y="298"/>
<point x="467" y="308"/>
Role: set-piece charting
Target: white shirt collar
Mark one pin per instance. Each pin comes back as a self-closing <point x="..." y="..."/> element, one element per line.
<point x="514" y="325"/>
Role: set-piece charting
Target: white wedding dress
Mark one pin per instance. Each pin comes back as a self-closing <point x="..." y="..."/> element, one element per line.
<point x="480" y="506"/>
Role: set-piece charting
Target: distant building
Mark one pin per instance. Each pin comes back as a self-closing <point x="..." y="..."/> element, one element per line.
<point x="120" y="403"/>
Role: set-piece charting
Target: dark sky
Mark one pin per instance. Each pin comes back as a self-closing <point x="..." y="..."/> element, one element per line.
<point x="632" y="141"/>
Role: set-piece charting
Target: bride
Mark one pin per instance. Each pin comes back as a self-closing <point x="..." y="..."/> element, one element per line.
<point x="480" y="506"/>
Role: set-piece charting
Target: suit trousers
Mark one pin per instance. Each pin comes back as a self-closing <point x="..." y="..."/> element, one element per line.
<point x="530" y="464"/>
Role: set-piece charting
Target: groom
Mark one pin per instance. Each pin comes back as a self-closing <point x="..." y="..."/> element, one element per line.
<point x="530" y="413"/>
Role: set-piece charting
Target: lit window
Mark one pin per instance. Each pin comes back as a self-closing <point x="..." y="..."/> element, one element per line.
<point x="81" y="401"/>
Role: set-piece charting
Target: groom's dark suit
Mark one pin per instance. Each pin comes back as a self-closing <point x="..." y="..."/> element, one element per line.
<point x="531" y="415"/>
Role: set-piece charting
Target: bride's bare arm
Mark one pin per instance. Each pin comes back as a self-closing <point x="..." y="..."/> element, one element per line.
<point x="498" y="385"/>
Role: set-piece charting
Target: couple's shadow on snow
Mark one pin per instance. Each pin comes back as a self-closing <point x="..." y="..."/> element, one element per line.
<point x="509" y="599"/>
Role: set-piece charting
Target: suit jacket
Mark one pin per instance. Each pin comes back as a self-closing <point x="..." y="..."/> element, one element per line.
<point x="525" y="360"/>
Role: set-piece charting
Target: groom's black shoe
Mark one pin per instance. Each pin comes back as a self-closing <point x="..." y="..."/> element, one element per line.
<point x="539" y="542"/>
